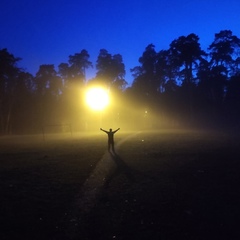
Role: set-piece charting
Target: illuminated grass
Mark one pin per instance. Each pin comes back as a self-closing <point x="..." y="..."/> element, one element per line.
<point x="167" y="185"/>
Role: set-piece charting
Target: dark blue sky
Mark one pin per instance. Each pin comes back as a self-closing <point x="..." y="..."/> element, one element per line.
<point x="48" y="31"/>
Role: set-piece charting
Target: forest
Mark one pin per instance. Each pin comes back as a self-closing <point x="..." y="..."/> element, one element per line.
<point x="183" y="86"/>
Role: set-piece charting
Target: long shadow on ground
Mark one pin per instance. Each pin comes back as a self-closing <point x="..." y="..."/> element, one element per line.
<point x="121" y="168"/>
<point x="197" y="200"/>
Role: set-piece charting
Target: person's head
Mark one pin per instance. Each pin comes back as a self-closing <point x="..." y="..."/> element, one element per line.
<point x="110" y="130"/>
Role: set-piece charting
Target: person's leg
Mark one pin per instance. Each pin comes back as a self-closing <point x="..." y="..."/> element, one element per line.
<point x="109" y="146"/>
<point x="113" y="147"/>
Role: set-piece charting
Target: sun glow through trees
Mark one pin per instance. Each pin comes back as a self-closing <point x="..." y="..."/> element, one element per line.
<point x="97" y="98"/>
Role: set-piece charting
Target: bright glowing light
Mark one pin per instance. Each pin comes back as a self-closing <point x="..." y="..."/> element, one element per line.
<point x="97" y="98"/>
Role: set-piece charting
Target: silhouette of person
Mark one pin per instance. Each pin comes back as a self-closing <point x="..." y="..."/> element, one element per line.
<point x="110" y="134"/>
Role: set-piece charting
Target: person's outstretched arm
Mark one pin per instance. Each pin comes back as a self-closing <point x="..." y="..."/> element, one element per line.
<point x="116" y="130"/>
<point x="103" y="130"/>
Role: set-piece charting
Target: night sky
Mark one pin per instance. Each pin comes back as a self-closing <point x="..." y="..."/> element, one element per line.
<point x="48" y="31"/>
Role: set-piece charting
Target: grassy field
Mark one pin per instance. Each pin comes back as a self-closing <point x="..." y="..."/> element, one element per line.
<point x="164" y="185"/>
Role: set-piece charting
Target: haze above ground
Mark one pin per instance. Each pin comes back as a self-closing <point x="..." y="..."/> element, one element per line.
<point x="47" y="32"/>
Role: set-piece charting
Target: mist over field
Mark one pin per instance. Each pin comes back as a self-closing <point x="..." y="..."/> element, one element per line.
<point x="183" y="86"/>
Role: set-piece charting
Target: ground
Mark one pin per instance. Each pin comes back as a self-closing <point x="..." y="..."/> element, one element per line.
<point x="158" y="185"/>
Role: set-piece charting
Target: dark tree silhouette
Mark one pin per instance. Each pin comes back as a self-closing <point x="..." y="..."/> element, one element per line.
<point x="73" y="76"/>
<point x="232" y="106"/>
<point x="65" y="72"/>
<point x="145" y="75"/>
<point x="8" y="78"/>
<point x="48" y="89"/>
<point x="110" y="70"/>
<point x="224" y="51"/>
<point x="79" y="62"/>
<point x="214" y="76"/>
<point x="46" y="80"/>
<point x="24" y="104"/>
<point x="182" y="82"/>
<point x="166" y="72"/>
<point x="73" y="73"/>
<point x="186" y="54"/>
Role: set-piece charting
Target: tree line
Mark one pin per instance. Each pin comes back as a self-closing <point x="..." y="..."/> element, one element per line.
<point x="184" y="84"/>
